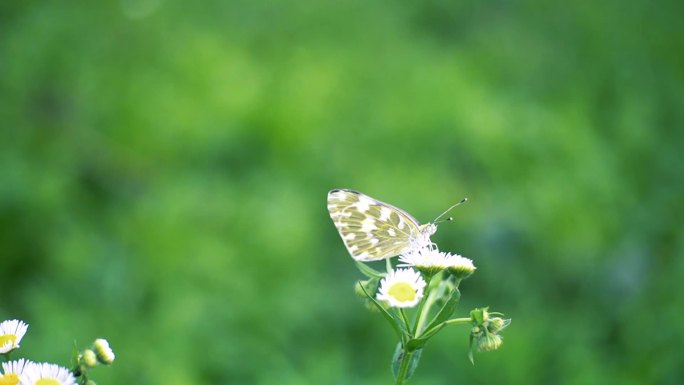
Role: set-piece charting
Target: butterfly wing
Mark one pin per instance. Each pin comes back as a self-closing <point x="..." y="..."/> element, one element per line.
<point x="371" y="230"/>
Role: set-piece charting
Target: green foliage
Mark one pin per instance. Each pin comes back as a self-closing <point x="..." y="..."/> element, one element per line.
<point x="397" y="360"/>
<point x="164" y="170"/>
<point x="447" y="310"/>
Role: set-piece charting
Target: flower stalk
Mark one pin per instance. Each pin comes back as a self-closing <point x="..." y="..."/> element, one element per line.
<point x="404" y="366"/>
<point x="429" y="294"/>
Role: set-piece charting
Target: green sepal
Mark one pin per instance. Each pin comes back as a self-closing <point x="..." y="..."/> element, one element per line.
<point x="478" y="315"/>
<point x="396" y="325"/>
<point x="470" y="350"/>
<point x="398" y="356"/>
<point x="447" y="310"/>
<point x="74" y="358"/>
<point x="368" y="271"/>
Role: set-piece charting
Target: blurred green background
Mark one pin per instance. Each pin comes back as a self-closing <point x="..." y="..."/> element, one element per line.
<point x="164" y="168"/>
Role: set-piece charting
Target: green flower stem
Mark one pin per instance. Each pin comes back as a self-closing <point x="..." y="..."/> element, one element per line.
<point x="456" y="283"/>
<point x="405" y="319"/>
<point x="391" y="319"/>
<point x="455" y="321"/>
<point x="404" y="366"/>
<point x="422" y="310"/>
<point x="422" y="316"/>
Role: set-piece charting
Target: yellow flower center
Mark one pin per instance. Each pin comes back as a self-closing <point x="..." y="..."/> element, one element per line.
<point x="8" y="337"/>
<point x="47" y="381"/>
<point x="9" y="379"/>
<point x="402" y="292"/>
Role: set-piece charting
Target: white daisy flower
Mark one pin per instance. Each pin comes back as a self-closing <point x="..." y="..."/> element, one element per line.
<point x="427" y="260"/>
<point x="11" y="333"/>
<point x="460" y="266"/>
<point x="46" y="374"/>
<point x="12" y="371"/>
<point x="402" y="288"/>
<point x="103" y="352"/>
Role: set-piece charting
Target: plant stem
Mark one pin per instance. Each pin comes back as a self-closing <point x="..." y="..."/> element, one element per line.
<point x="406" y="321"/>
<point x="433" y="330"/>
<point x="404" y="366"/>
<point x="421" y="310"/>
<point x="457" y="321"/>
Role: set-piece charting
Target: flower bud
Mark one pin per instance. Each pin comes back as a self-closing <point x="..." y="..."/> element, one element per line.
<point x="88" y="358"/>
<point x="369" y="285"/>
<point x="103" y="352"/>
<point x="489" y="342"/>
<point x="484" y="335"/>
<point x="497" y="324"/>
<point x="461" y="267"/>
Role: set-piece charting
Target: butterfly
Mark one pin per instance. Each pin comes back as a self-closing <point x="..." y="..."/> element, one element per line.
<point x="373" y="230"/>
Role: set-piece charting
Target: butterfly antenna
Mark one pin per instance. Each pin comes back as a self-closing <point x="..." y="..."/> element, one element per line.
<point x="464" y="200"/>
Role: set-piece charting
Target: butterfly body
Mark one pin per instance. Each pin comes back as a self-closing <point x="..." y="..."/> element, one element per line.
<point x="373" y="230"/>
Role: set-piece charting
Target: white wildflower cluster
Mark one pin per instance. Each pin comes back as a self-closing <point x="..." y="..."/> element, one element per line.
<point x="419" y="294"/>
<point x="405" y="287"/>
<point x="429" y="260"/>
<point x="25" y="372"/>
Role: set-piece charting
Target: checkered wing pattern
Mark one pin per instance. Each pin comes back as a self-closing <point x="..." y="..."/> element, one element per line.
<point x="372" y="230"/>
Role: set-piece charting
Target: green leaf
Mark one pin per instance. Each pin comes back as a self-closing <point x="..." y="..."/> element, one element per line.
<point x="398" y="357"/>
<point x="443" y="291"/>
<point x="416" y="343"/>
<point x="396" y="325"/>
<point x="447" y="310"/>
<point x="478" y="315"/>
<point x="369" y="271"/>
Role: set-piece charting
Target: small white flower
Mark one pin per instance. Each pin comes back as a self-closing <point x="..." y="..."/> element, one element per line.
<point x="460" y="266"/>
<point x="402" y="288"/>
<point x="11" y="333"/>
<point x="12" y="371"/>
<point x="46" y="374"/>
<point x="426" y="259"/>
<point x="103" y="352"/>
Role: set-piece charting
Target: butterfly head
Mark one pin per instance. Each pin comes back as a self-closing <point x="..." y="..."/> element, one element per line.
<point x="423" y="238"/>
<point x="428" y="229"/>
